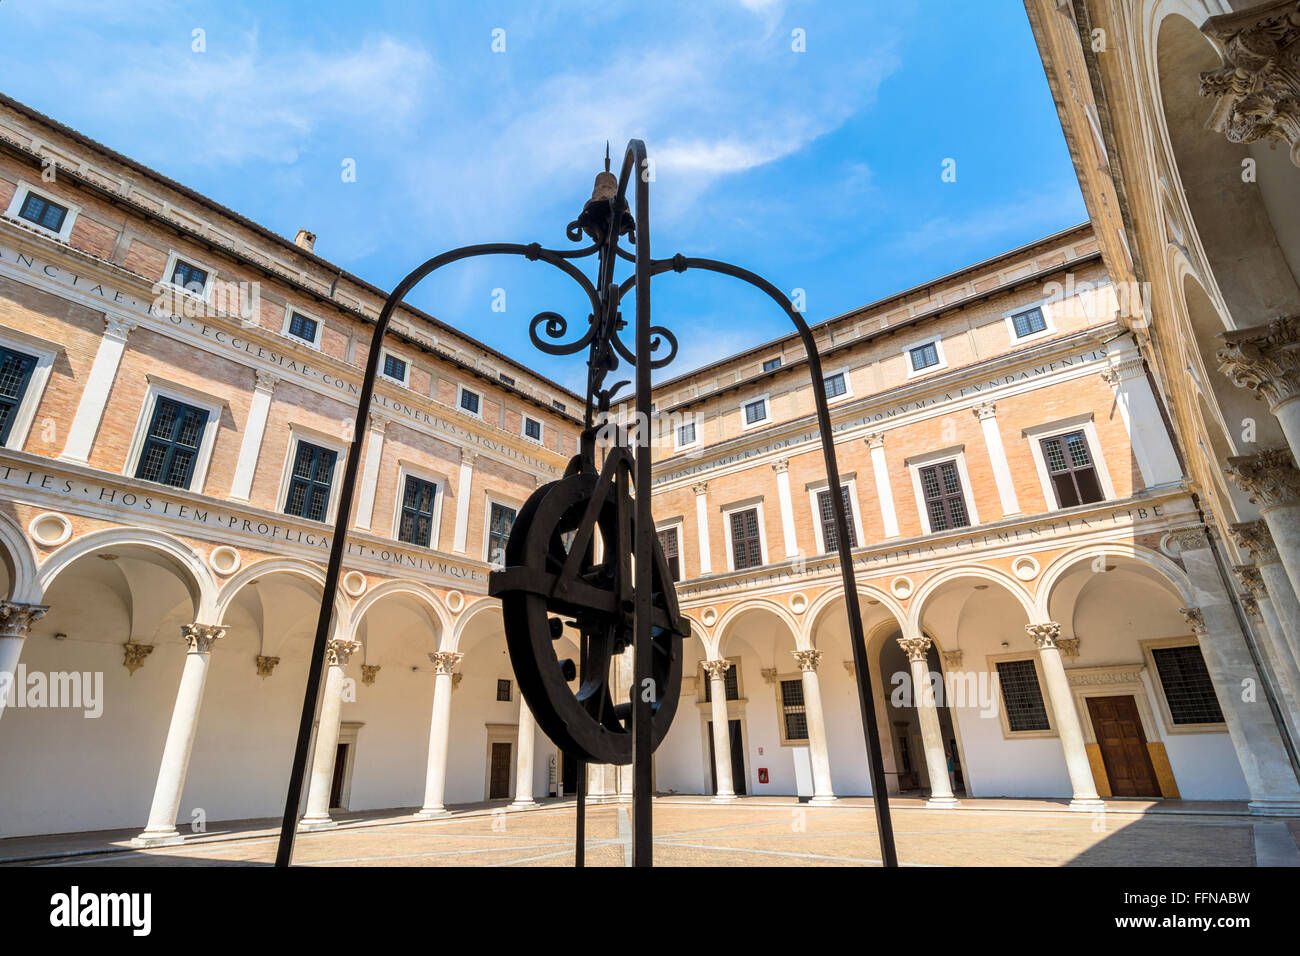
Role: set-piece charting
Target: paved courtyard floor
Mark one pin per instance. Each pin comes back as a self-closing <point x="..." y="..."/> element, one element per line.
<point x="694" y="832"/>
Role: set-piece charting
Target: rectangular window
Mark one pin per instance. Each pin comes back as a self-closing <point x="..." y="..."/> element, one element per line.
<point x="394" y="367"/>
<point x="793" y="713"/>
<point x="500" y="520"/>
<point x="503" y="690"/>
<point x="469" y="401"/>
<point x="732" y="682"/>
<point x="828" y="520"/>
<point x="686" y="434"/>
<point x="923" y="356"/>
<point x="1187" y="685"/>
<point x="746" y="545"/>
<point x="944" y="502"/>
<point x="303" y="328"/>
<point x="1022" y="696"/>
<point x="1073" y="473"/>
<point x="310" y="481"/>
<point x="15" y="376"/>
<point x="836" y="385"/>
<point x="532" y="429"/>
<point x="418" y="498"/>
<point x="505" y="379"/>
<point x="171" y="445"/>
<point x="558" y="404"/>
<point x="668" y="544"/>
<point x="46" y="214"/>
<point x="1028" y="322"/>
<point x="772" y="364"/>
<point x="189" y="277"/>
<point x="755" y="411"/>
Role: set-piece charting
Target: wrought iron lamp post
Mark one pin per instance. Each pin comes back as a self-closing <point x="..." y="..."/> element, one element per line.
<point x="554" y="579"/>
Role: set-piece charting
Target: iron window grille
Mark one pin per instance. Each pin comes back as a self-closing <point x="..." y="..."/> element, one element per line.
<point x="469" y="401"/>
<point x="755" y="411"/>
<point x="171" y="444"/>
<point x="829" y="537"/>
<point x="731" y="682"/>
<point x="310" y="482"/>
<point x="668" y="544"/>
<point x="503" y="689"/>
<point x="686" y="434"/>
<point x="418" y="499"/>
<point x="533" y="429"/>
<point x="1187" y="685"/>
<point x="189" y="277"/>
<point x="1028" y="322"/>
<point x="559" y="405"/>
<point x="836" y="385"/>
<point x="1072" y="470"/>
<point x="923" y="356"/>
<point x="15" y="375"/>
<point x="746" y="542"/>
<point x="500" y="520"/>
<point x="505" y="379"/>
<point x="772" y="364"/>
<point x="302" y="327"/>
<point x="1022" y="696"/>
<point x="395" y="368"/>
<point x="793" y="711"/>
<point x="944" y="502"/>
<point x="46" y="214"/>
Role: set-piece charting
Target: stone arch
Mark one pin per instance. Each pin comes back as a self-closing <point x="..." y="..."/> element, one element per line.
<point x="480" y="608"/>
<point x="916" y="608"/>
<point x="20" y="564"/>
<point x="292" y="566"/>
<point x="421" y="595"/>
<point x="1062" y="564"/>
<point x="823" y="603"/>
<point x="729" y="617"/>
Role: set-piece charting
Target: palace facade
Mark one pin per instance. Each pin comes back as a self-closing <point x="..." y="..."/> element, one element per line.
<point x="1048" y="611"/>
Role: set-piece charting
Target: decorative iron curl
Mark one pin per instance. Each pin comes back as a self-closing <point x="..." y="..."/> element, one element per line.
<point x="658" y="335"/>
<point x="557" y="326"/>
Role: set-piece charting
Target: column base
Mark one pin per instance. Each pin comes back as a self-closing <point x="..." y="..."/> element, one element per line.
<point x="428" y="813"/>
<point x="942" y="803"/>
<point x="523" y="805"/>
<point x="823" y="800"/>
<point x="158" y="838"/>
<point x="309" y="825"/>
<point x="1088" y="804"/>
<point x="1280" y="808"/>
<point x="723" y="797"/>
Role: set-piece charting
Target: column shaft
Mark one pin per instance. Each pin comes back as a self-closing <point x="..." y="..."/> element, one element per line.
<point x="16" y="621"/>
<point x="94" y="397"/>
<point x="524" y="758"/>
<point x="463" y="487"/>
<point x="702" y="520"/>
<point x="317" y="816"/>
<point x="936" y="759"/>
<point x="254" y="430"/>
<point x="370" y="471"/>
<point x="782" y="468"/>
<point x="884" y="492"/>
<point x="1068" y="728"/>
<point x="818" y="747"/>
<point x="435" y="782"/>
<point x="717" y="673"/>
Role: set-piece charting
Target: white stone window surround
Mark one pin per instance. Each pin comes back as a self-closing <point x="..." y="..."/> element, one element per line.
<point x="1007" y="732"/>
<point x="405" y="380"/>
<point x="460" y="391"/>
<point x="1047" y="306"/>
<point x="937" y="342"/>
<point x="289" y="310"/>
<point x="746" y="505"/>
<point x="300" y="433"/>
<point x="1062" y="426"/>
<point x="166" y="281"/>
<point x="766" y="399"/>
<point x="493" y="498"/>
<point x="849" y="481"/>
<point x="954" y="453"/>
<point x="677" y="524"/>
<point x="523" y="427"/>
<point x="440" y="483"/>
<point x="20" y="196"/>
<point x="44" y="352"/>
<point x="848" y="383"/>
<point x="177" y="392"/>
<point x="1158" y="688"/>
<point x="780" y="679"/>
<point x="678" y="445"/>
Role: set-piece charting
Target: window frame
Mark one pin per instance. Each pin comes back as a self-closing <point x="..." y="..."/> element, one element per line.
<point x="1007" y="732"/>
<point x="494" y="499"/>
<point x="289" y="311"/>
<point x="766" y="399"/>
<point x="787" y="741"/>
<point x="815" y="488"/>
<point x="1049" y="325"/>
<point x="702" y="696"/>
<point x="406" y="469"/>
<point x="678" y="444"/>
<point x="937" y="342"/>
<point x="25" y="411"/>
<point x="848" y="384"/>
<point x="300" y="433"/>
<point x="955" y="453"/>
<point x="1035" y="434"/>
<point x="166" y="281"/>
<point x="460" y="392"/>
<point x="727" y="510"/>
<point x="678" y="525"/>
<point x="405" y="380"/>
<point x="1158" y="686"/>
<point x="523" y="428"/>
<point x="176" y="392"/>
<point x="779" y="361"/>
<point x="25" y="189"/>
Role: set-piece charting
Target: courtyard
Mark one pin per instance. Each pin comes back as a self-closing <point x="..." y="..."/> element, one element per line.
<point x="694" y="832"/>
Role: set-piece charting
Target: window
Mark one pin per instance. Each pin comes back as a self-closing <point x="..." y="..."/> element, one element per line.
<point x="394" y="368"/>
<point x="469" y="401"/>
<point x="1073" y="474"/>
<point x="189" y="277"/>
<point x="1028" y="322"/>
<point x="503" y="690"/>
<point x="532" y="429"/>
<point x="500" y="520"/>
<point x="755" y="411"/>
<point x="686" y="434"/>
<point x="794" y="718"/>
<point x="1188" y="689"/>
<point x="731" y="681"/>
<point x="924" y="356"/>
<point x="505" y="379"/>
<point x="15" y="375"/>
<point x="1021" y="696"/>
<point x="772" y="364"/>
<point x="303" y="328"/>
<point x="668" y="545"/>
<point x="824" y="512"/>
<point x="171" y="445"/>
<point x="310" y="481"/>
<point x="836" y="385"/>
<point x="746" y="543"/>
<point x="944" y="502"/>
<point x="417" y="511"/>
<point x="558" y="404"/>
<point x="46" y="214"/>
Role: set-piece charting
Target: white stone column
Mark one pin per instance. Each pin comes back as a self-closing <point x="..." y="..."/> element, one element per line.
<point x="524" y="758"/>
<point x="94" y="397"/>
<point x="1046" y="636"/>
<point x="370" y="470"/>
<point x="818" y="748"/>
<point x="936" y="759"/>
<point x="782" y="468"/>
<point x="435" y="780"/>
<point x="717" y="671"/>
<point x="317" y="817"/>
<point x="161" y="828"/>
<point x="1253" y="538"/>
<point x="1272" y="640"/>
<point x="986" y="412"/>
<point x="463" y="492"/>
<point x="884" y="492"/>
<point x="1273" y="482"/>
<point x="16" y="621"/>
<point x="1152" y="449"/>
<point x="701" y="489"/>
<point x="254" y="429"/>
<point x="1266" y="359"/>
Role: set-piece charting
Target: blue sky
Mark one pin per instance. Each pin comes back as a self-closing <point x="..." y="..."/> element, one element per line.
<point x="819" y="169"/>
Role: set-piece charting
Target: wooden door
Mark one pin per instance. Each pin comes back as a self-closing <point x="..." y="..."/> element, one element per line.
<point x="499" y="773"/>
<point x="737" y="758"/>
<point x="1124" y="752"/>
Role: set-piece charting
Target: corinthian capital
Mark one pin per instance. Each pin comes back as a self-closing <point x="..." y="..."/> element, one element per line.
<point x="781" y="465"/>
<point x="914" y="647"/>
<point x="444" y="662"/>
<point x="17" y="619"/>
<point x="1270" y="478"/>
<point x="1251" y="581"/>
<point x="808" y="660"/>
<point x="1264" y="359"/>
<point x="1253" y="537"/>
<point x="339" y="651"/>
<point x="1046" y="634"/>
<point x="201" y="637"/>
<point x="717" y="670"/>
<point x="1195" y="620"/>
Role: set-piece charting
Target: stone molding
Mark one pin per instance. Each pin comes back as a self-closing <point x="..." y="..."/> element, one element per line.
<point x="769" y="675"/>
<point x="134" y="656"/>
<point x="951" y="659"/>
<point x="368" y="673"/>
<point x="1094" y="676"/>
<point x="266" y="665"/>
<point x="1189" y="539"/>
<point x="1195" y="618"/>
